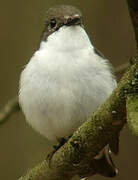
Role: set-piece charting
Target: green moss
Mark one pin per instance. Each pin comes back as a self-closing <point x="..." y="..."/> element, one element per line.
<point x="132" y="113"/>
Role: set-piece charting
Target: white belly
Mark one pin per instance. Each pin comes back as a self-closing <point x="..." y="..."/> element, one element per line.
<point x="58" y="92"/>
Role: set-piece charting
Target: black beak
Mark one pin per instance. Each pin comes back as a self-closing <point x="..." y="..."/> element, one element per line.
<point x="74" y="20"/>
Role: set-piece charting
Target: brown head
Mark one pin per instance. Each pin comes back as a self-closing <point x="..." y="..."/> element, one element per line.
<point x="59" y="16"/>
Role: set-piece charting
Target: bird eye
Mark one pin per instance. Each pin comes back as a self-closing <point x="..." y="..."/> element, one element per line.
<point x="52" y="23"/>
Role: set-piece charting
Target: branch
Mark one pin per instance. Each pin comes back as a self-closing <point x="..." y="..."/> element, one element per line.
<point x="132" y="113"/>
<point x="11" y="107"/>
<point x="121" y="68"/>
<point x="132" y="99"/>
<point x="133" y="10"/>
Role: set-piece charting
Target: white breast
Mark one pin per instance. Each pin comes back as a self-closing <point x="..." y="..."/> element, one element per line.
<point x="63" y="83"/>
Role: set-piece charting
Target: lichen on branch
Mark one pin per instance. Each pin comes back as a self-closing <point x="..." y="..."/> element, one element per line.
<point x="132" y="113"/>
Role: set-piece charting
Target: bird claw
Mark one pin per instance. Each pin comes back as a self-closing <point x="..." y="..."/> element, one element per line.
<point x="55" y="148"/>
<point x="49" y="157"/>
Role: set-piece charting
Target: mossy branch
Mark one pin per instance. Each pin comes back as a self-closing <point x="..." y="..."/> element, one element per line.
<point x="132" y="113"/>
<point x="132" y="98"/>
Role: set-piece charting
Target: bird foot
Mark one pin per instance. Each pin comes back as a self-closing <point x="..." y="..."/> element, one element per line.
<point x="61" y="142"/>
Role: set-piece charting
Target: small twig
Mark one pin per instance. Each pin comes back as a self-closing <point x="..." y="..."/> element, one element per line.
<point x="11" y="107"/>
<point x="121" y="68"/>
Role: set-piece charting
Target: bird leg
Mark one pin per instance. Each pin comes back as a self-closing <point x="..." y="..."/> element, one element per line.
<point x="61" y="142"/>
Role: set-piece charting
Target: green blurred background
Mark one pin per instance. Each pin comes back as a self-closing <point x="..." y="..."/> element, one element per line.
<point x="21" y="22"/>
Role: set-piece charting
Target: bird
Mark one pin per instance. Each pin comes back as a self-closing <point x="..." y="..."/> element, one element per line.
<point x="66" y="80"/>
